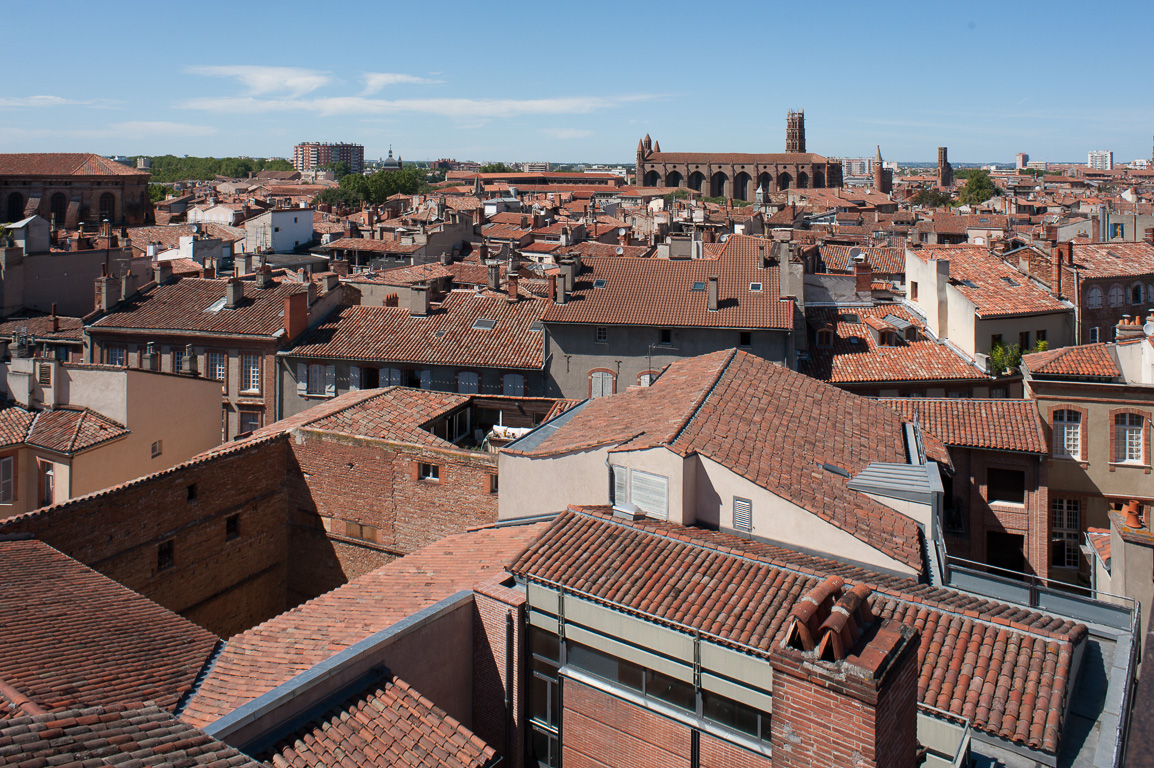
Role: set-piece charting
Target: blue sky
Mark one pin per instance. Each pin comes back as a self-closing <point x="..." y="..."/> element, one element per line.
<point x="579" y="81"/>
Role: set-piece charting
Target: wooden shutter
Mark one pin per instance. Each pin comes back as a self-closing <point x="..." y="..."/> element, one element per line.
<point x="330" y="380"/>
<point x="742" y="514"/>
<point x="302" y="378"/>
<point x="354" y="378"/>
<point x="7" y="464"/>
<point x="650" y="493"/>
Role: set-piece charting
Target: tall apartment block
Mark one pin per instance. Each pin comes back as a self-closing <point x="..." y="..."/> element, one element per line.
<point x="314" y="154"/>
<point x="1100" y="159"/>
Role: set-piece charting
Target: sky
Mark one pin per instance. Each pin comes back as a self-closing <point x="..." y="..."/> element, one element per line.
<point x="579" y="82"/>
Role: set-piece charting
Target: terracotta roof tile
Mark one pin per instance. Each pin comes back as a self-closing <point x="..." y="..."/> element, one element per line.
<point x="256" y="661"/>
<point x="68" y="429"/>
<point x="1098" y="260"/>
<point x="140" y="735"/>
<point x="886" y="261"/>
<point x="373" y="246"/>
<point x="40" y="327"/>
<point x="388" y="723"/>
<point x="445" y="337"/>
<point x="741" y="592"/>
<point x="64" y="164"/>
<point x="1001" y="425"/>
<point x="73" y="637"/>
<point x="1083" y="361"/>
<point x="995" y="288"/>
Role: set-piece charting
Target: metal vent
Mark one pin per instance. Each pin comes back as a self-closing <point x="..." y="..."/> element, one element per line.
<point x="742" y="514"/>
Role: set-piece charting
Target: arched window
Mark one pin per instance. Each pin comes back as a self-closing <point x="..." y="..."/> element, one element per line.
<point x="696" y="180"/>
<point x="673" y="179"/>
<point x="58" y="208"/>
<point x="741" y="186"/>
<point x="802" y="180"/>
<point x="652" y="179"/>
<point x="468" y="383"/>
<point x="600" y="384"/>
<point x="107" y="207"/>
<point x="1136" y="293"/>
<point x="513" y="384"/>
<point x="1094" y="297"/>
<point x="818" y="179"/>
<point x="15" y="207"/>
<point x="718" y="184"/>
<point x="1117" y="296"/>
<point x="783" y="181"/>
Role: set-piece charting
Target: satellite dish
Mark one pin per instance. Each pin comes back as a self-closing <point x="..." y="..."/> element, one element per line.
<point x="621" y="230"/>
<point x="621" y="250"/>
<point x="855" y="254"/>
<point x="1148" y="329"/>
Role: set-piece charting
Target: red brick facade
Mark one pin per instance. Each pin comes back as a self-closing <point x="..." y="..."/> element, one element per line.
<point x="599" y="730"/>
<point x="494" y="637"/>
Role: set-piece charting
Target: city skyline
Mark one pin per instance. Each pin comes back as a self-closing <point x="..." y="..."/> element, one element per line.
<point x="488" y="86"/>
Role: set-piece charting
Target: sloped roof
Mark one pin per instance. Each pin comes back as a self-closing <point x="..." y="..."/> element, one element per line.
<point x="771" y="158"/>
<point x="973" y="653"/>
<point x="74" y="638"/>
<point x="884" y="260"/>
<point x="995" y="288"/>
<point x="1100" y="260"/>
<point x="183" y="305"/>
<point x="660" y="292"/>
<point x="445" y="336"/>
<point x="65" y="429"/>
<point x="64" y="164"/>
<point x="387" y="723"/>
<point x="140" y="735"/>
<point x="256" y="661"/>
<point x="1002" y="425"/>
<point x="40" y="327"/>
<point x="1083" y="361"/>
<point x="396" y="413"/>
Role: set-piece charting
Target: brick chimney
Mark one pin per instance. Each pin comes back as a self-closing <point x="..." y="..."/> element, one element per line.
<point x="163" y="272"/>
<point x="264" y="277"/>
<point x="233" y="293"/>
<point x="296" y="314"/>
<point x="108" y="292"/>
<point x="863" y="275"/>
<point x="844" y="684"/>
<point x="493" y="277"/>
<point x="1129" y="328"/>
<point x="1148" y="236"/>
<point x="1095" y="229"/>
<point x="1056" y="271"/>
<point x="513" y="280"/>
<point x="55" y="319"/>
<point x="713" y="292"/>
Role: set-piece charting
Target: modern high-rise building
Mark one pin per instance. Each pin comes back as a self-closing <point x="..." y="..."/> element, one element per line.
<point x="1100" y="159"/>
<point x="315" y="154"/>
<point x="1021" y="160"/>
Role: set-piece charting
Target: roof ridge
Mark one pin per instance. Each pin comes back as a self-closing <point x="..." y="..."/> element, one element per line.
<point x="76" y="431"/>
<point x="701" y="400"/>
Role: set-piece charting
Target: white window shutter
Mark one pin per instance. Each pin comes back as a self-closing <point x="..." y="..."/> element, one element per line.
<point x="354" y="378"/>
<point x="650" y="493"/>
<point x="330" y="380"/>
<point x="426" y="379"/>
<point x="620" y="486"/>
<point x="302" y="378"/>
<point x="742" y="514"/>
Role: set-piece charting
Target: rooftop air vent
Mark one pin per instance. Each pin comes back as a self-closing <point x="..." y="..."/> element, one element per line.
<point x="834" y="469"/>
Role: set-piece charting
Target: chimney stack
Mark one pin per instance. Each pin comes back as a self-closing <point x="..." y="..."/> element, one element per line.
<point x="419" y="300"/>
<point x="493" y="273"/>
<point x="296" y="314"/>
<point x="233" y="293"/>
<point x="55" y="319"/>
<point x="127" y="286"/>
<point x="713" y="292"/>
<point x="1056" y="271"/>
<point x="863" y="276"/>
<point x="264" y="277"/>
<point x="513" y="281"/>
<point x="188" y="363"/>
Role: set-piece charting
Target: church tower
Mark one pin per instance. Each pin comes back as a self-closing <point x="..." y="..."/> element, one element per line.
<point x="883" y="178"/>
<point x="795" y="131"/>
<point x="945" y="170"/>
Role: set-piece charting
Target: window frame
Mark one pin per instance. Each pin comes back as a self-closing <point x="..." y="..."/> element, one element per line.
<point x="1069" y="538"/>
<point x="10" y="495"/>
<point x="601" y="335"/>
<point x="1116" y="296"/>
<point x="1095" y="297"/>
<point x="212" y="357"/>
<point x="249" y="373"/>
<point x="428" y="472"/>
<point x="1130" y="437"/>
<point x="1069" y="426"/>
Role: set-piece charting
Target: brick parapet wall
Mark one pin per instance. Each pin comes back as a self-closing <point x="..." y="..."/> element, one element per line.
<point x="493" y="639"/>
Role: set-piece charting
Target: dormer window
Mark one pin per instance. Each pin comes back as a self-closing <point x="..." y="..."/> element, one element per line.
<point x="888" y="339"/>
<point x="825" y="338"/>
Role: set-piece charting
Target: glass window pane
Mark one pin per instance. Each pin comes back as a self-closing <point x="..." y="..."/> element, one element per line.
<point x="669" y="690"/>
<point x="730" y="713"/>
<point x="539" y="699"/>
<point x="544" y="644"/>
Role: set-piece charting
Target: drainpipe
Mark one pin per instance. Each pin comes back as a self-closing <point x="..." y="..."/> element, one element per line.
<point x="508" y="682"/>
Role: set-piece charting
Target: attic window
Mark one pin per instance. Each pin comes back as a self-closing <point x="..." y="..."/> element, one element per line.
<point x="439" y="334"/>
<point x="851" y="318"/>
<point x="536" y="325"/>
<point x="698" y="286"/>
<point x="968" y="283"/>
<point x="755" y="287"/>
<point x="1010" y="281"/>
<point x="483" y="324"/>
<point x="855" y="340"/>
<point x="600" y="283"/>
<point x="217" y="305"/>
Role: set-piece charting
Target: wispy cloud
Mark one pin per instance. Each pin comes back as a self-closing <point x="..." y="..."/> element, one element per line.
<point x="568" y="133"/>
<point x="134" y="130"/>
<point x="52" y="101"/>
<point x="457" y="109"/>
<point x="375" y="81"/>
<point x="262" y="81"/>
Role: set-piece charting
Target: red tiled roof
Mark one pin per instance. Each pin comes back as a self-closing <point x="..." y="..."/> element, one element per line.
<point x="73" y="637"/>
<point x="445" y="337"/>
<point x="182" y="305"/>
<point x="418" y="273"/>
<point x="757" y="419"/>
<point x="64" y="164"/>
<point x="373" y="246"/>
<point x="256" y="661"/>
<point x="998" y="289"/>
<point x="864" y="361"/>
<point x="131" y="736"/>
<point x="386" y="724"/>
<point x="1099" y="260"/>
<point x="396" y="413"/>
<point x="659" y="292"/>
<point x="702" y="158"/>
<point x="1099" y="539"/>
<point x="589" y="248"/>
<point x="1001" y="425"/>
<point x="40" y="327"/>
<point x="1005" y="668"/>
<point x="169" y="236"/>
<point x="1086" y="360"/>
<point x="886" y="261"/>
<point x="63" y="429"/>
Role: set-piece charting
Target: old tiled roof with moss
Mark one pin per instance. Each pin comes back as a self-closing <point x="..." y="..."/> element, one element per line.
<point x="74" y="638"/>
<point x="999" y="424"/>
<point x="1007" y="669"/>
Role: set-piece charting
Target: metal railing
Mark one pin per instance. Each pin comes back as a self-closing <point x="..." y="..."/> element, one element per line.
<point x="945" y="736"/>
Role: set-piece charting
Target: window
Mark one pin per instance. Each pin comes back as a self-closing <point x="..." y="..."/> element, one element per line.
<point x="742" y="514"/>
<point x="1040" y="335"/>
<point x="1024" y="340"/>
<point x="7" y="479"/>
<point x="1128" y="438"/>
<point x="649" y="493"/>
<point x="825" y="338"/>
<point x="165" y="555"/>
<point x="544" y="698"/>
<point x="513" y="384"/>
<point x="47" y="483"/>
<point x="249" y="421"/>
<point x="1066" y="532"/>
<point x="1136" y="293"/>
<point x="1005" y="486"/>
<point x="45" y="374"/>
<point x="745" y="338"/>
<point x="600" y="384"/>
<point x="62" y="353"/>
<point x="913" y="290"/>
<point x="666" y="336"/>
<point x="645" y="379"/>
<point x="996" y="340"/>
<point x="888" y="339"/>
<point x="316" y="380"/>
<point x="216" y="367"/>
<point x="190" y="492"/>
<point x="1094" y="297"/>
<point x="178" y="360"/>
<point x="602" y="335"/>
<point x="493" y="484"/>
<point x="1117" y="296"/>
<point x="232" y="527"/>
<point x="468" y="382"/>
<point x="157" y="448"/>
<point x="250" y="374"/>
<point x="1094" y="335"/>
<point x="1067" y="435"/>
<point x="735" y="716"/>
<point x="429" y="472"/>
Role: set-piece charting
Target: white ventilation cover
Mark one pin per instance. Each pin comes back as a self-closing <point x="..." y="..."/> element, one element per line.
<point x="650" y="493"/>
<point x="742" y="514"/>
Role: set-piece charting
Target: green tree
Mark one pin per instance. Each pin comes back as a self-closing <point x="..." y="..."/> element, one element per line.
<point x="157" y="192"/>
<point x="496" y="168"/>
<point x="932" y="198"/>
<point x="340" y="169"/>
<point x="978" y="188"/>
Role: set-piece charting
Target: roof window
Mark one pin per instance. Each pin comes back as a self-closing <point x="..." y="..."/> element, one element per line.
<point x="1010" y="281"/>
<point x="600" y="283"/>
<point x="755" y="287"/>
<point x="968" y="283"/>
<point x="698" y="286"/>
<point x="484" y="324"/>
<point x="850" y="317"/>
<point x="536" y="325"/>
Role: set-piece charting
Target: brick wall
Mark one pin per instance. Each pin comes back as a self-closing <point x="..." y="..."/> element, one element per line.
<point x="491" y="640"/>
<point x="224" y="584"/>
<point x="715" y="753"/>
<point x="602" y="730"/>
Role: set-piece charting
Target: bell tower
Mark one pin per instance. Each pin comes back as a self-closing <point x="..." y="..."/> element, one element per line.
<point x="795" y="131"/>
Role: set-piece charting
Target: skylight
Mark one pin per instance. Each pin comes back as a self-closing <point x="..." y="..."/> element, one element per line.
<point x="217" y="305"/>
<point x="600" y="283"/>
<point x="850" y="317"/>
<point x="1010" y="281"/>
<point x="968" y="283"/>
<point x="484" y="324"/>
<point x="536" y="325"/>
<point x="698" y="286"/>
<point x="755" y="287"/>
